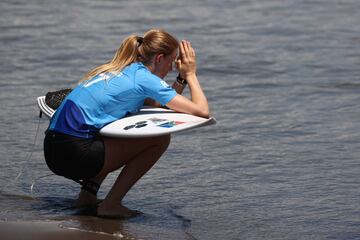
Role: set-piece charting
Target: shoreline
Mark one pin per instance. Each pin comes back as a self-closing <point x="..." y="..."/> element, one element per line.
<point x="49" y="230"/>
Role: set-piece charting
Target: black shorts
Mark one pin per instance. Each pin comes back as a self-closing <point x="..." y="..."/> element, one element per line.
<point x="72" y="157"/>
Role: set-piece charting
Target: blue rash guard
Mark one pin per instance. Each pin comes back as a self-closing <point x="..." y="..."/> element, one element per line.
<point x="106" y="98"/>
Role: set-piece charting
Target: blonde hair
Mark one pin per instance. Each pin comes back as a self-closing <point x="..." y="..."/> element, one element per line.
<point x="137" y="49"/>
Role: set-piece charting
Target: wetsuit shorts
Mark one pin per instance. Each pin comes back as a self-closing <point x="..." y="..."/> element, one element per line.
<point x="73" y="157"/>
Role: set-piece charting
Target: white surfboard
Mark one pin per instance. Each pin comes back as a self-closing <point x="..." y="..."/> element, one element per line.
<point x="148" y="122"/>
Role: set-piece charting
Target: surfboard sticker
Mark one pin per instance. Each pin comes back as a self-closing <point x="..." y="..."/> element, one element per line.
<point x="158" y="122"/>
<point x="170" y="124"/>
<point x="148" y="122"/>
<point x="167" y="123"/>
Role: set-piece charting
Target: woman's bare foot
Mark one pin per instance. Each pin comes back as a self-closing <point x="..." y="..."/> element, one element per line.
<point x="86" y="199"/>
<point x="115" y="211"/>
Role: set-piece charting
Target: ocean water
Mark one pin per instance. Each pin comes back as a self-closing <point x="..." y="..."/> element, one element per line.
<point x="282" y="79"/>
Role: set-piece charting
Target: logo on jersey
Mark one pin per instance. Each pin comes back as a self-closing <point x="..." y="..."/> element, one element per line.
<point x="165" y="85"/>
<point x="101" y="77"/>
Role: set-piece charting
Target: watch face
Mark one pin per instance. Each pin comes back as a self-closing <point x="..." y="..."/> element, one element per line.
<point x="180" y="80"/>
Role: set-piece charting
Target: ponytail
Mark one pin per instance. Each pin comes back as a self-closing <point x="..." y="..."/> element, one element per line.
<point x="137" y="49"/>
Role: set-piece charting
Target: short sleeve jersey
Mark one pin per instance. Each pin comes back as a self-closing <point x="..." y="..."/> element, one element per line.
<point x="106" y="98"/>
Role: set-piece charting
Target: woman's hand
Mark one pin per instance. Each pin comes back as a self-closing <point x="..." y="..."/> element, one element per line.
<point x="186" y="65"/>
<point x="186" y="62"/>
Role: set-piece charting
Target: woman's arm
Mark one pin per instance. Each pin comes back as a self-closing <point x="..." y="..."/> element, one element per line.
<point x="178" y="87"/>
<point x="186" y="64"/>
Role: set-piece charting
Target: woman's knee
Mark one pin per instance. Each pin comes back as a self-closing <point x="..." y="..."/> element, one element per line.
<point x="162" y="142"/>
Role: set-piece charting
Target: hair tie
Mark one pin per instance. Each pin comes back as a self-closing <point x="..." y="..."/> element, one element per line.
<point x="140" y="41"/>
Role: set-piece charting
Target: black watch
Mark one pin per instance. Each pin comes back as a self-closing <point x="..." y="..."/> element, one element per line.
<point x="181" y="80"/>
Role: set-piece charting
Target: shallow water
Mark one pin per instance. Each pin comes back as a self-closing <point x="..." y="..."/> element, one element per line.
<point x="282" y="78"/>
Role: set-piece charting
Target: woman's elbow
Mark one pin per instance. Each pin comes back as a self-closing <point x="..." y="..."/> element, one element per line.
<point x="205" y="113"/>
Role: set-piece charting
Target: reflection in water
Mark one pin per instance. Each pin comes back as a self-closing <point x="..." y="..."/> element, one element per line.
<point x="111" y="227"/>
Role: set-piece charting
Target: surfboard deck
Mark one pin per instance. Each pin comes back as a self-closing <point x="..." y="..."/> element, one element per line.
<point x="148" y="122"/>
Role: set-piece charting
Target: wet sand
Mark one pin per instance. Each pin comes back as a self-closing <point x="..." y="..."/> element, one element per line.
<point x="48" y="230"/>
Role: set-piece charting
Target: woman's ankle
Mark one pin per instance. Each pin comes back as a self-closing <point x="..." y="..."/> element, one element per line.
<point x="86" y="199"/>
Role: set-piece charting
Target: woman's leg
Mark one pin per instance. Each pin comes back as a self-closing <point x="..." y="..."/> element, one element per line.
<point x="137" y="156"/>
